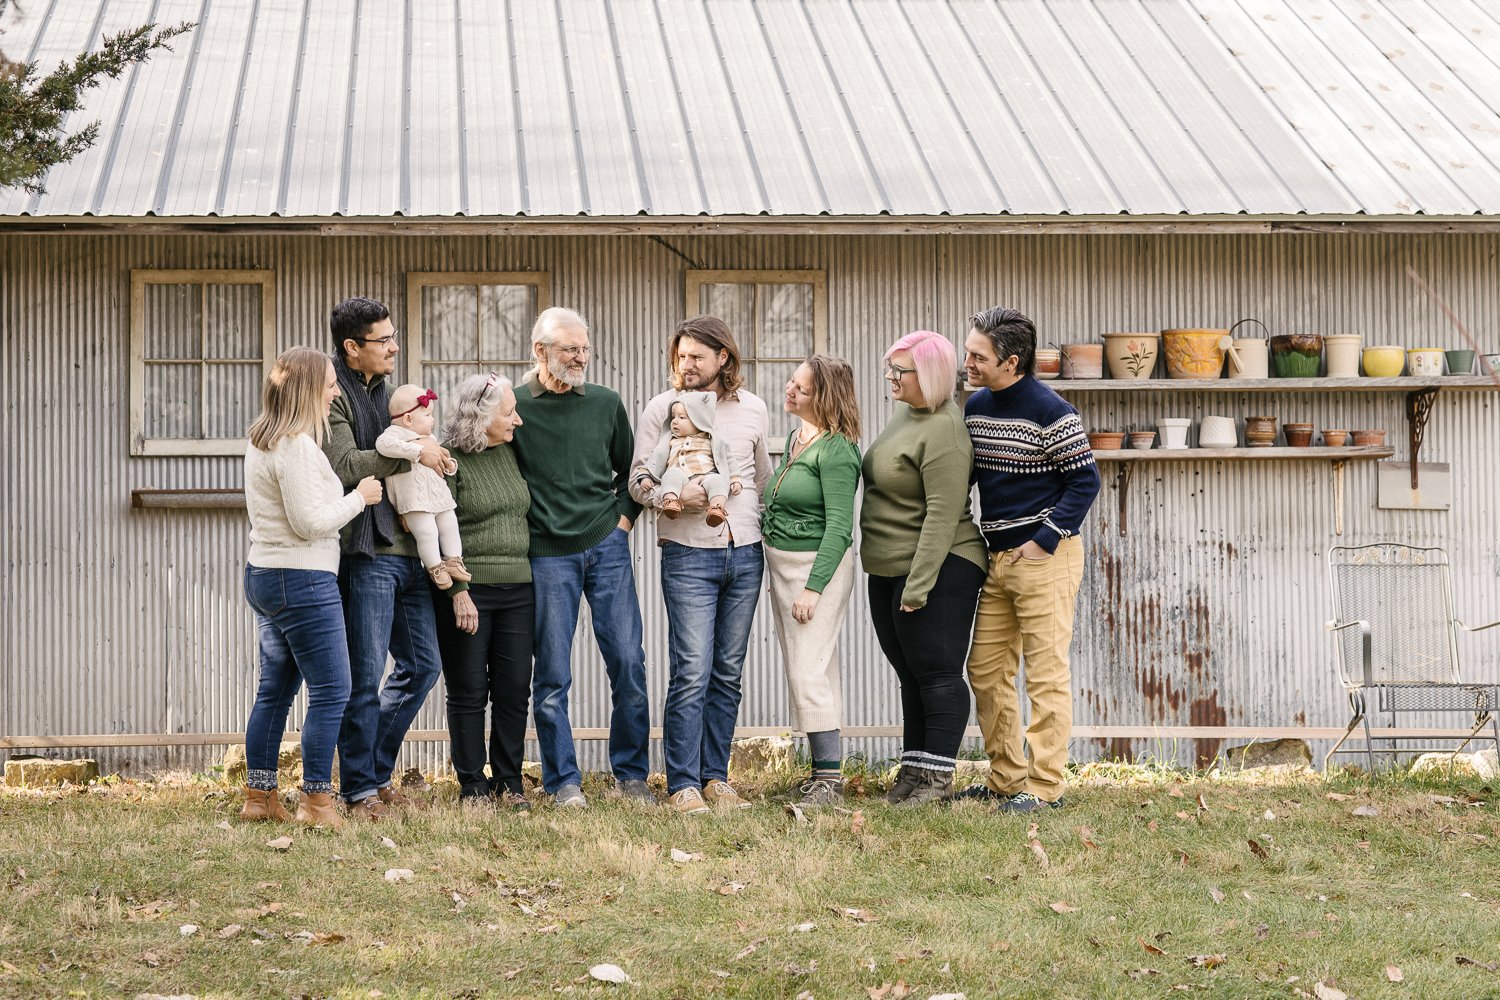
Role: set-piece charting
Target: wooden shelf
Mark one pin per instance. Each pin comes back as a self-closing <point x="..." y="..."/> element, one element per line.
<point x="1403" y="384"/>
<point x="1274" y="454"/>
<point x="189" y="499"/>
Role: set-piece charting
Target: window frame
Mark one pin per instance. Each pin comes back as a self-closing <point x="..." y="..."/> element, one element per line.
<point x="818" y="279"/>
<point x="140" y="444"/>
<point x="418" y="280"/>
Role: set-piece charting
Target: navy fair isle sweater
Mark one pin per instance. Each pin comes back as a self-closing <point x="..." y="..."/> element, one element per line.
<point x="1036" y="473"/>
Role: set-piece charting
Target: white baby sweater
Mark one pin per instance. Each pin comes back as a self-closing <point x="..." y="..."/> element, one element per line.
<point x="297" y="506"/>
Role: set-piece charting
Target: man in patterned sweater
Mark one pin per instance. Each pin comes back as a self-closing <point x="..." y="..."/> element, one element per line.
<point x="1037" y="480"/>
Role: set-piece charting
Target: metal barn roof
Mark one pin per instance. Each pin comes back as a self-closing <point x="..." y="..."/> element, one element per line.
<point x="751" y="108"/>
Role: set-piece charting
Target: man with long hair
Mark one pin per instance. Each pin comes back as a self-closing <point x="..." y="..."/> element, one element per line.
<point x="710" y="576"/>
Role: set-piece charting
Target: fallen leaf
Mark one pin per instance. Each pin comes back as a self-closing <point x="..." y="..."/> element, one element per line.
<point x="683" y="857"/>
<point x="399" y="874"/>
<point x="1466" y="960"/>
<point x="151" y="959"/>
<point x="510" y="974"/>
<point x="1365" y="811"/>
<point x="878" y="992"/>
<point x="1149" y="947"/>
<point x="1086" y="837"/>
<point x="1151" y="826"/>
<point x="749" y="949"/>
<point x="1339" y="797"/>
<point x="327" y="937"/>
<point x="804" y="995"/>
<point x="1393" y="974"/>
<point x="803" y="927"/>
<point x="1257" y="850"/>
<point x="1268" y="815"/>
<point x="1327" y="991"/>
<point x="793" y="969"/>
<point x="1216" y="894"/>
<point x="222" y="824"/>
<point x="1202" y="803"/>
<point x="1175" y="792"/>
<point x="1207" y="961"/>
<point x="722" y="974"/>
<point x="1181" y="814"/>
<point x="900" y="991"/>
<point x="729" y="888"/>
<point x="1262" y="931"/>
<point x="857" y="822"/>
<point x="795" y="811"/>
<point x="1062" y="906"/>
<point x="607" y="973"/>
<point x="947" y="996"/>
<point x="230" y="930"/>
<point x="188" y="930"/>
<point x="856" y="915"/>
<point x="1040" y="853"/>
<point x="280" y="844"/>
<point x="1142" y="973"/>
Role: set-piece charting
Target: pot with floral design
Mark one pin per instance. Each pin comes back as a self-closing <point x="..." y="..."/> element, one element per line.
<point x="1130" y="355"/>
<point x="1194" y="353"/>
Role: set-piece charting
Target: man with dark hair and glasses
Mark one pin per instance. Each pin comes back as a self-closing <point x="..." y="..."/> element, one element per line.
<point x="379" y="573"/>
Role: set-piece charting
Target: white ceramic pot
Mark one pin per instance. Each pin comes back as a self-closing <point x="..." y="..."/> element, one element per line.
<point x="1217" y="432"/>
<point x="1424" y="361"/>
<point x="1172" y="432"/>
<point x="1250" y="358"/>
<point x="1341" y="352"/>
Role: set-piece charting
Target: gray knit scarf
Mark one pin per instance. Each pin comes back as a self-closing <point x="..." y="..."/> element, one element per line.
<point x="376" y="525"/>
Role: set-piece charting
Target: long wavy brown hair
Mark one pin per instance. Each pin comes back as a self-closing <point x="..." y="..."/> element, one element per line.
<point x="834" y="406"/>
<point x="714" y="334"/>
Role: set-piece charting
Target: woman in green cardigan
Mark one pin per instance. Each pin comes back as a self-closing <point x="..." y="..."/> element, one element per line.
<point x="808" y="528"/>
<point x="925" y="557"/>
<point x="485" y="626"/>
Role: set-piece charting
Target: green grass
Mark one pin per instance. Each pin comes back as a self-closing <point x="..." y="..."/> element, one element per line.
<point x="98" y="883"/>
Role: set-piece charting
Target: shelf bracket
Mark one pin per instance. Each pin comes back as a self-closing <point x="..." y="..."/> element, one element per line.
<point x="1418" y="407"/>
<point x="1122" y="488"/>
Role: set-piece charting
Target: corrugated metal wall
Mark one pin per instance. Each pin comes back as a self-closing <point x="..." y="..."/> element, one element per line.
<point x="1209" y="611"/>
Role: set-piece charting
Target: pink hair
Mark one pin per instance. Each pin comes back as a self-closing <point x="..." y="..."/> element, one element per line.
<point x="936" y="362"/>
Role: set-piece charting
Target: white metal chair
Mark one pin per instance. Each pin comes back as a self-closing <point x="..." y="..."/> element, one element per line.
<point x="1398" y="642"/>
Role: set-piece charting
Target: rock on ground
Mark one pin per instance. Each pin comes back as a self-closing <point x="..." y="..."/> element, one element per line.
<point x="759" y="754"/>
<point x="288" y="765"/>
<point x="1443" y="763"/>
<point x="41" y="772"/>
<point x="1286" y="754"/>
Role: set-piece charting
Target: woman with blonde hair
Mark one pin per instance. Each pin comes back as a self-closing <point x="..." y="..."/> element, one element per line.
<point x="297" y="506"/>
<point x="807" y="528"/>
<point x="925" y="558"/>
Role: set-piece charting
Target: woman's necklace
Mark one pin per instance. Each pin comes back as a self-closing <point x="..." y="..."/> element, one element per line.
<point x="804" y="438"/>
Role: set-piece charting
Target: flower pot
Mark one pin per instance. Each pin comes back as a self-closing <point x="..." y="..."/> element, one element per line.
<point x="1142" y="440"/>
<point x="1343" y="355"/>
<point x="1424" y="361"/>
<point x="1260" y="432"/>
<point x="1130" y="355"/>
<point x="1298" y="435"/>
<point x="1083" y="361"/>
<point x="1217" y="432"/>
<point x="1335" y="439"/>
<point x="1174" y="432"/>
<point x="1363" y="439"/>
<point x="1459" y="362"/>
<point x="1048" y="362"/>
<point x="1248" y="356"/>
<point x="1106" y="440"/>
<point x="1489" y="364"/>
<point x="1297" y="355"/>
<point x="1385" y="361"/>
<point x="1194" y="353"/>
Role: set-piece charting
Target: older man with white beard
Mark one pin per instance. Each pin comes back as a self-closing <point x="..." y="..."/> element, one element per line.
<point x="574" y="453"/>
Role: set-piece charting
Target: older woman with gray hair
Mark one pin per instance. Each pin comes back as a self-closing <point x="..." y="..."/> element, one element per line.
<point x="485" y="626"/>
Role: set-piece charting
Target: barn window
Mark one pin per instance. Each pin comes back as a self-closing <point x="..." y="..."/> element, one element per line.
<point x="465" y="322"/>
<point x="778" y="318"/>
<point x="200" y="345"/>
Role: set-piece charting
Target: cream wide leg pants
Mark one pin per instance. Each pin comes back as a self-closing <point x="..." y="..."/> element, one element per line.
<point x="809" y="650"/>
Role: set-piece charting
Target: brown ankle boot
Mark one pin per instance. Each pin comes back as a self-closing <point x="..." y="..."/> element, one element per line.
<point x="317" y="809"/>
<point x="261" y="805"/>
<point x="456" y="569"/>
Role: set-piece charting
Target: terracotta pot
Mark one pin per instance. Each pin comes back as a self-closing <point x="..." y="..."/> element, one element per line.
<point x="1048" y="362"/>
<point x="1335" y="439"/>
<point x="1194" y="353"/>
<point x="1142" y="440"/>
<point x="1424" y="361"/>
<point x="1298" y="435"/>
<point x="1364" y="439"/>
<point x="1343" y="355"/>
<point x="1174" y="432"/>
<point x="1106" y="440"/>
<point x="1297" y="355"/>
<point x="1130" y="355"/>
<point x="1083" y="361"/>
<point x="1385" y="361"/>
<point x="1217" y="432"/>
<point x="1260" y="432"/>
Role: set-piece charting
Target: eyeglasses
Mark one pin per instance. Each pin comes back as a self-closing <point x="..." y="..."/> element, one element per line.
<point x="895" y="372"/>
<point x="573" y="352"/>
<point x="382" y="341"/>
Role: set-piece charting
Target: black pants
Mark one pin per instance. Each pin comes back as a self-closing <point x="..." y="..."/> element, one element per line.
<point x="492" y="666"/>
<point x="928" y="649"/>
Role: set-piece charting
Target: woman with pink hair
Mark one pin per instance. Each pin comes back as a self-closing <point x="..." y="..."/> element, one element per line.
<point x="925" y="558"/>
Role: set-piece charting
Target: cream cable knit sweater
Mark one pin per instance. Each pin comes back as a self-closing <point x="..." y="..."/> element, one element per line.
<point x="297" y="506"/>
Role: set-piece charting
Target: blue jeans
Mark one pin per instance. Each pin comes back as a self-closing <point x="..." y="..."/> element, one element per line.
<point x="301" y="629"/>
<point x="604" y="574"/>
<point x="387" y="608"/>
<point x="711" y="596"/>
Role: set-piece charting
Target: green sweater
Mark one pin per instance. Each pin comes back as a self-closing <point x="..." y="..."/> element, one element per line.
<point x="492" y="503"/>
<point x="351" y="464"/>
<point x="574" y="450"/>
<point x="916" y="509"/>
<point x="809" y="503"/>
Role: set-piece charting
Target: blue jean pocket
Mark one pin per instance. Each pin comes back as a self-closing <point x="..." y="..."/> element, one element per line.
<point x="265" y="590"/>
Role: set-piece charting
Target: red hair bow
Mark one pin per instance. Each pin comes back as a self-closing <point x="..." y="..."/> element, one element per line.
<point x="423" y="400"/>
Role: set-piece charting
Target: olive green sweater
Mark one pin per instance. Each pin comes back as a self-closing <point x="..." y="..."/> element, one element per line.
<point x="916" y="507"/>
<point x="809" y="503"/>
<point x="492" y="503"/>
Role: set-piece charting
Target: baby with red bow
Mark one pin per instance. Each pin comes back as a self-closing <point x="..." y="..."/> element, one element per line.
<point x="420" y="496"/>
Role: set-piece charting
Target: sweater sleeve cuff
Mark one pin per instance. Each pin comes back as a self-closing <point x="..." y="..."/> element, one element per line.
<point x="1048" y="538"/>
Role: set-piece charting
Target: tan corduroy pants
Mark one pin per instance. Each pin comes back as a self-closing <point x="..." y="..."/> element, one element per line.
<point x="809" y="650"/>
<point x="1026" y="609"/>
